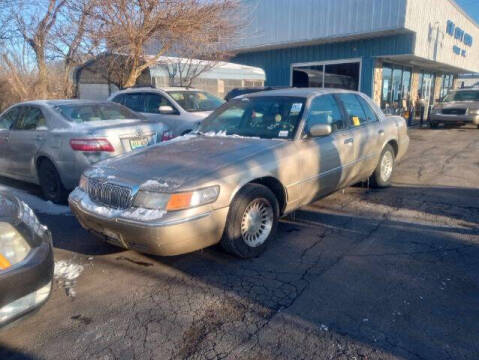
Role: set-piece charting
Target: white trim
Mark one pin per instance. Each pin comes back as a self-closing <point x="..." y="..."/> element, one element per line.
<point x="328" y="62"/>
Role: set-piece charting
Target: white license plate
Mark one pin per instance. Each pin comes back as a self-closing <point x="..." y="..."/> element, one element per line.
<point x="138" y="143"/>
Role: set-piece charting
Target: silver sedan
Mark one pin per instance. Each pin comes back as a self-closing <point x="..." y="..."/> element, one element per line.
<point x="52" y="142"/>
<point x="255" y="159"/>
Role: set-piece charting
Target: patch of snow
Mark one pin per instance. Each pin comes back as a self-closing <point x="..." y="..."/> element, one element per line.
<point x="94" y="172"/>
<point x="323" y="327"/>
<point x="180" y="138"/>
<point x="66" y="274"/>
<point x="131" y="213"/>
<point x="153" y="184"/>
<point x="37" y="203"/>
<point x="224" y="135"/>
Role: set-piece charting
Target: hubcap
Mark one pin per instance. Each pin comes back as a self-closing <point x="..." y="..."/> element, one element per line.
<point x="257" y="222"/>
<point x="387" y="166"/>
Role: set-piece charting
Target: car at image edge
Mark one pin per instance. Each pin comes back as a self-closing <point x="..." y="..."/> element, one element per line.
<point x="255" y="159"/>
<point x="180" y="108"/>
<point x="26" y="260"/>
<point x="51" y="142"/>
<point x="458" y="107"/>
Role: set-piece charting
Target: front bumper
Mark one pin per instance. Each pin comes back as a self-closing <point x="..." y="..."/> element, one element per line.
<point x="27" y="285"/>
<point x="441" y="118"/>
<point x="166" y="237"/>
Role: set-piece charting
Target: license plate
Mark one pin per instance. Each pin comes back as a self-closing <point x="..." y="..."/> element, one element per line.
<point x="138" y="143"/>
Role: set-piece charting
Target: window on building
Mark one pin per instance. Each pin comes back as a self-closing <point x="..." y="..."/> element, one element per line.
<point x="447" y="81"/>
<point x="343" y="75"/>
<point x="396" y="87"/>
<point x="426" y="87"/>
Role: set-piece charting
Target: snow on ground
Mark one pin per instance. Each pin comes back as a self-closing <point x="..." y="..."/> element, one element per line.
<point x="37" y="203"/>
<point x="66" y="274"/>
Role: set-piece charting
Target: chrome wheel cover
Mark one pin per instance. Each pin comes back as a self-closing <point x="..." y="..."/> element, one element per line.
<point x="257" y="222"/>
<point x="387" y="163"/>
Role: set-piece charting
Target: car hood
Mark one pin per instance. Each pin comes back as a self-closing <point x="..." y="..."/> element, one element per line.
<point x="186" y="160"/>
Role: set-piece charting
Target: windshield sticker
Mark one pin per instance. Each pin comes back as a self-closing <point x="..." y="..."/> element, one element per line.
<point x="283" y="133"/>
<point x="356" y="121"/>
<point x="296" y="108"/>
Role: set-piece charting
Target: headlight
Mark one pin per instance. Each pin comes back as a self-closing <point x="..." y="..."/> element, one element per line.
<point x="177" y="201"/>
<point x="13" y="247"/>
<point x="83" y="183"/>
<point x="473" y="111"/>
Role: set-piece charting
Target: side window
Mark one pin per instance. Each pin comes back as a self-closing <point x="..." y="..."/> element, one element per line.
<point x="353" y="108"/>
<point x="370" y="114"/>
<point x="154" y="101"/>
<point x="135" y="102"/>
<point x="31" y="119"/>
<point x="324" y="110"/>
<point x="120" y="99"/>
<point x="7" y="120"/>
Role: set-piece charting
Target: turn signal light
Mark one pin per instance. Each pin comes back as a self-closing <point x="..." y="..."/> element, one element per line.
<point x="99" y="144"/>
<point x="179" y="201"/>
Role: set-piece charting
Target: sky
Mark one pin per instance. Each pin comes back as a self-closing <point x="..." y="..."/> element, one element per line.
<point x="471" y="7"/>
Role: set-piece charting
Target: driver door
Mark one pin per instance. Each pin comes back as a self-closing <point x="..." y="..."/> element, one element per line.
<point x="152" y="111"/>
<point x="326" y="159"/>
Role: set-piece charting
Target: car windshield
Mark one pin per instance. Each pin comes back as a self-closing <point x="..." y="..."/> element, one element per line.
<point x="80" y="113"/>
<point x="265" y="117"/>
<point x="464" y="95"/>
<point x="194" y="101"/>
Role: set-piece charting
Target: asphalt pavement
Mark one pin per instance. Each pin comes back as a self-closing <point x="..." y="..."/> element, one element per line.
<point x="362" y="274"/>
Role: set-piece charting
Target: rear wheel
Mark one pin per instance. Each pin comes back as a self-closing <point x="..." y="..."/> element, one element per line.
<point x="252" y="221"/>
<point x="50" y="182"/>
<point x="383" y="173"/>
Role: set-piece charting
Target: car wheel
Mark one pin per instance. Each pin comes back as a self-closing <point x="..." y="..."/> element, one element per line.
<point x="382" y="175"/>
<point x="51" y="183"/>
<point x="252" y="221"/>
<point x="433" y="124"/>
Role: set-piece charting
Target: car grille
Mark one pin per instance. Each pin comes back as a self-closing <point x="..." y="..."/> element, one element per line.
<point x="112" y="195"/>
<point x="454" y="111"/>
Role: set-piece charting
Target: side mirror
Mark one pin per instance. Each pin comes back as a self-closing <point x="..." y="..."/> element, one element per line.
<point x="320" y="130"/>
<point x="166" y="109"/>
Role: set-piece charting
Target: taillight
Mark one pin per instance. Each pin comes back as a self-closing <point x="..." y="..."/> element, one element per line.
<point x="167" y="135"/>
<point x="99" y="144"/>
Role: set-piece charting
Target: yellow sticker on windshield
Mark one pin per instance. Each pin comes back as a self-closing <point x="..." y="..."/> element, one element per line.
<point x="356" y="121"/>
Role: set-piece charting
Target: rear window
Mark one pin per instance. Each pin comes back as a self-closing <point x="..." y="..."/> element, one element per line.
<point x="80" y="113"/>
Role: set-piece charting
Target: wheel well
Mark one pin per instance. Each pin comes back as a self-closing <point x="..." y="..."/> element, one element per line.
<point x="39" y="161"/>
<point x="394" y="145"/>
<point x="276" y="188"/>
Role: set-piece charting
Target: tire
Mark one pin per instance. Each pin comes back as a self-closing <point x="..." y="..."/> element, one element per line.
<point x="242" y="237"/>
<point x="433" y="124"/>
<point x="382" y="175"/>
<point x="51" y="183"/>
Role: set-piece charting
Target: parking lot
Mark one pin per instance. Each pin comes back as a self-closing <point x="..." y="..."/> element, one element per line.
<point x="362" y="274"/>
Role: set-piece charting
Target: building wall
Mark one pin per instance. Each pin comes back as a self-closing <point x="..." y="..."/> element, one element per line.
<point x="273" y="23"/>
<point x="277" y="63"/>
<point x="428" y="19"/>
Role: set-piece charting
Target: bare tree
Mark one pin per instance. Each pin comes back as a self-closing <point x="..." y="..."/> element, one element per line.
<point x="35" y="29"/>
<point x="132" y="27"/>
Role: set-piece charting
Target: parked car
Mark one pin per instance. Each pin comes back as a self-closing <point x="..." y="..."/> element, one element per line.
<point x="52" y="142"/>
<point x="255" y="159"/>
<point x="181" y="109"/>
<point x="458" y="107"/>
<point x="26" y="260"/>
<point x="248" y="90"/>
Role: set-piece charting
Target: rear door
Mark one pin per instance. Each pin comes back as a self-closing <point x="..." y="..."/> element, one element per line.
<point x="6" y="122"/>
<point x="326" y="159"/>
<point x="26" y="136"/>
<point x="365" y="130"/>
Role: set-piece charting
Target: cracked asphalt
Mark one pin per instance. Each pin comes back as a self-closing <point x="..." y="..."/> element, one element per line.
<point x="362" y="274"/>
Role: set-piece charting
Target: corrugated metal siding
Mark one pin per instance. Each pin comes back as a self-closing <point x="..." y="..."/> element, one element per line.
<point x="276" y="63"/>
<point x="276" y="22"/>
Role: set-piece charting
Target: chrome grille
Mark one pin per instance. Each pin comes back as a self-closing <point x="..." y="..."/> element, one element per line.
<point x="112" y="195"/>
<point x="454" y="111"/>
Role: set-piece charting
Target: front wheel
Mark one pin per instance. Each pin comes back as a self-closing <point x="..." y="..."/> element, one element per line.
<point x="433" y="124"/>
<point x="252" y="221"/>
<point x="382" y="175"/>
<point x="51" y="183"/>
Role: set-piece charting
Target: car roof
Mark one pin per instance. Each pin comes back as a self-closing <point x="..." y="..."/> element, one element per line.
<point x="299" y="92"/>
<point x="62" y="102"/>
<point x="150" y="89"/>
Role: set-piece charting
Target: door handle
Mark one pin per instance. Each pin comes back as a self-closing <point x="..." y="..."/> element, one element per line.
<point x="349" y="141"/>
<point x="381" y="132"/>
